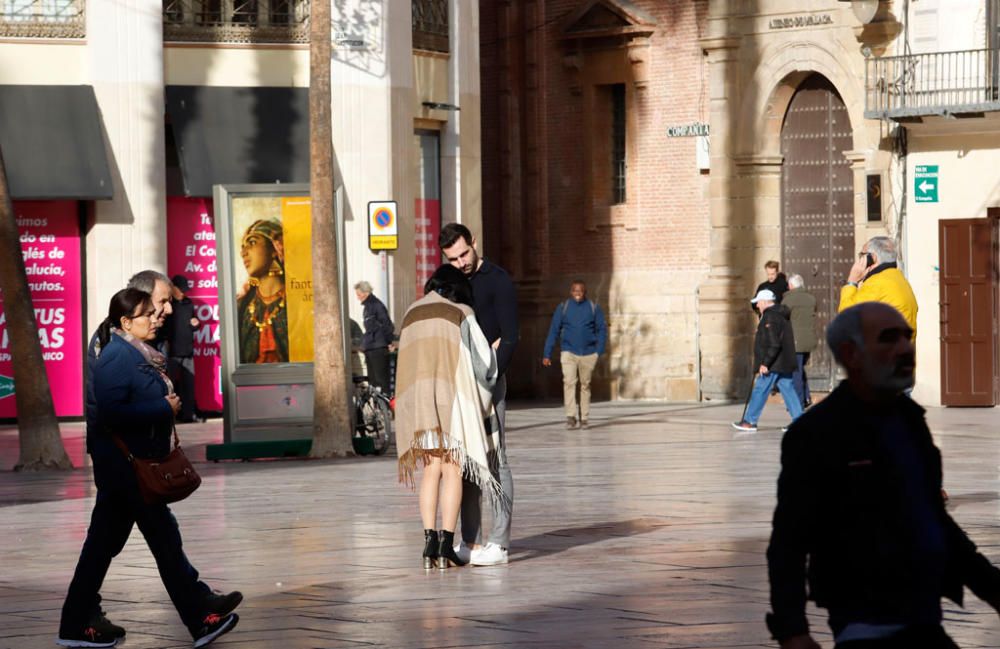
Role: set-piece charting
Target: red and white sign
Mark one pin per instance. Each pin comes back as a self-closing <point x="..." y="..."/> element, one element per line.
<point x="50" y="244"/>
<point x="191" y="253"/>
<point x="426" y="228"/>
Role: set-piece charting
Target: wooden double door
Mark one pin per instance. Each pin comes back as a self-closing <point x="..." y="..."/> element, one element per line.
<point x="817" y="206"/>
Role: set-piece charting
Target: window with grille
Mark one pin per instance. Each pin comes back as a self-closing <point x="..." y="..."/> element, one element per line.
<point x="618" y="121"/>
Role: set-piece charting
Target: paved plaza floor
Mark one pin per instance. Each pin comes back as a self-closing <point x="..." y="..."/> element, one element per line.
<point x="647" y="530"/>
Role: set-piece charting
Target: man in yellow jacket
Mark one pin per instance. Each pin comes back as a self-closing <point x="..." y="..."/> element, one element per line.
<point x="874" y="277"/>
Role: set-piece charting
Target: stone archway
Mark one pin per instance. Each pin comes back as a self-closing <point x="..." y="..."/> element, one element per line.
<point x="746" y="194"/>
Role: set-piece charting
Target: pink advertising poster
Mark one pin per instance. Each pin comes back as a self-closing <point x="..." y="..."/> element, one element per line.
<point x="50" y="244"/>
<point x="427" y="227"/>
<point x="191" y="253"/>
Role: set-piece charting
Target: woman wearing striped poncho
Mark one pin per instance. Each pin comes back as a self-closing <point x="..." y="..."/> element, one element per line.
<point x="444" y="409"/>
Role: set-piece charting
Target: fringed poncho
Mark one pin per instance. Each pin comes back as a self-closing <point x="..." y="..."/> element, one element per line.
<point x="445" y="372"/>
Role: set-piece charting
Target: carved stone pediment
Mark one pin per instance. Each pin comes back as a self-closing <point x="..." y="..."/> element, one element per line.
<point x="607" y="18"/>
<point x="602" y="24"/>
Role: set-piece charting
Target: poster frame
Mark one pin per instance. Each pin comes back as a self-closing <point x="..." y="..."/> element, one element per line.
<point x="273" y="379"/>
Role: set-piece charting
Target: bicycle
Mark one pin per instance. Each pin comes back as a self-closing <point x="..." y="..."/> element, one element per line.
<point x="373" y="431"/>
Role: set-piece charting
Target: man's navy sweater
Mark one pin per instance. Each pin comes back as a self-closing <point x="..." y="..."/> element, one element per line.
<point x="496" y="309"/>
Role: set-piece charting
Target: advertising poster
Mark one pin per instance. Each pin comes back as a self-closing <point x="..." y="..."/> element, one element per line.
<point x="50" y="244"/>
<point x="272" y="254"/>
<point x="191" y="253"/>
<point x="427" y="227"/>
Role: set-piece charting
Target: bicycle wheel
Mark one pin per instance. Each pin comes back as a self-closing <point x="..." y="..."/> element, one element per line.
<point x="377" y="420"/>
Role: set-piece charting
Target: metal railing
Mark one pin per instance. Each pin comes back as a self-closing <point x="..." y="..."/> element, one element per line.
<point x="236" y="21"/>
<point x="430" y="25"/>
<point x="42" y="19"/>
<point x="939" y="83"/>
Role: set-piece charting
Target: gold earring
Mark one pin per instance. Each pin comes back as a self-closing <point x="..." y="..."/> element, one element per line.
<point x="275" y="269"/>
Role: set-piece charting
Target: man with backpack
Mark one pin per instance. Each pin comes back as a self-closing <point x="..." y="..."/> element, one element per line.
<point x="583" y="334"/>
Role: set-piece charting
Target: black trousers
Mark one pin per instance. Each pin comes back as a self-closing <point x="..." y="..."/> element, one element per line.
<point x="115" y="512"/>
<point x="377" y="361"/>
<point x="181" y="372"/>
<point x="932" y="637"/>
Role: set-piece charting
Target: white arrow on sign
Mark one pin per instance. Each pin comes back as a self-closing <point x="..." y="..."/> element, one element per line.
<point x="925" y="187"/>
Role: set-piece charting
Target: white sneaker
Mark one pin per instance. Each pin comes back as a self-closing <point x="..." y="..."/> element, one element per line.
<point x="462" y="551"/>
<point x="490" y="554"/>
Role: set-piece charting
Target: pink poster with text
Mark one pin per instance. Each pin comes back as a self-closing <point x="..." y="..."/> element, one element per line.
<point x="191" y="253"/>
<point x="50" y="244"/>
<point x="427" y="227"/>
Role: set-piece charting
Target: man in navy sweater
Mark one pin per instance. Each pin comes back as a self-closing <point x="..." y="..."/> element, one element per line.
<point x="496" y="310"/>
<point x="583" y="334"/>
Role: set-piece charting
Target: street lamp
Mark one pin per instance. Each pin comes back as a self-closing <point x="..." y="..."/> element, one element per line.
<point x="864" y="10"/>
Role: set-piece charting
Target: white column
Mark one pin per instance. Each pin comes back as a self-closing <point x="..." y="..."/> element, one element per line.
<point x="125" y="61"/>
<point x="461" y="151"/>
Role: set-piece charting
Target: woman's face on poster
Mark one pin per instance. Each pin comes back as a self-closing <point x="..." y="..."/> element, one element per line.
<point x="257" y="255"/>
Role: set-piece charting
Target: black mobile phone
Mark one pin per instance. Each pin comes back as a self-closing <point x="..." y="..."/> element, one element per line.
<point x="869" y="259"/>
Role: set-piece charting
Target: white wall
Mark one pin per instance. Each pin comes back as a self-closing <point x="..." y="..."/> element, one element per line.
<point x="968" y="184"/>
<point x="124" y="62"/>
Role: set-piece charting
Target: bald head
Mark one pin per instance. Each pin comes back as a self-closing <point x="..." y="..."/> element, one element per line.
<point x="873" y="342"/>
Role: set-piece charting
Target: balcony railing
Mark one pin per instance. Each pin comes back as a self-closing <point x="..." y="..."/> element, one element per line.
<point x="964" y="83"/>
<point x="430" y="25"/>
<point x="236" y="21"/>
<point x="42" y="19"/>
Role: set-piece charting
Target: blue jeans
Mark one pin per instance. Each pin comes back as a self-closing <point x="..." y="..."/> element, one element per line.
<point x="801" y="380"/>
<point x="472" y="496"/>
<point x="762" y="388"/>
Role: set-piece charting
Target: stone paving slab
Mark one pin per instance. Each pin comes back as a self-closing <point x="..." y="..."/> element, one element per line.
<point x="648" y="530"/>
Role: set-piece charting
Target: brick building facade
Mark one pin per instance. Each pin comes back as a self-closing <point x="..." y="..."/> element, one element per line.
<point x="589" y="172"/>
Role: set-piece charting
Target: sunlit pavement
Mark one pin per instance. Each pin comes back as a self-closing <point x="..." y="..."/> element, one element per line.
<point x="647" y="530"/>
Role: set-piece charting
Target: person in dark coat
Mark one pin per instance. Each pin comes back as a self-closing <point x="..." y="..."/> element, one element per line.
<point x="136" y="404"/>
<point x="774" y="361"/>
<point x="378" y="339"/>
<point x="860" y="526"/>
<point x="802" y="305"/>
<point x="179" y="330"/>
<point x="776" y="282"/>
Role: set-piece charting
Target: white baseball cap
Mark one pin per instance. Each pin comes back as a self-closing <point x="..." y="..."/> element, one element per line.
<point x="764" y="294"/>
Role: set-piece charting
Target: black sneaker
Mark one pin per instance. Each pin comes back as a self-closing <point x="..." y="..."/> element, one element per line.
<point x="222" y="604"/>
<point x="104" y="625"/>
<point x="214" y="626"/>
<point x="88" y="636"/>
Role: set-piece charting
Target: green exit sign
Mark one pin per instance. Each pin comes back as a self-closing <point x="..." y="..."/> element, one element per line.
<point x="925" y="183"/>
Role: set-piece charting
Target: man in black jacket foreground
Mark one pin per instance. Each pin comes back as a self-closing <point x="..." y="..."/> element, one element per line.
<point x="774" y="361"/>
<point x="860" y="517"/>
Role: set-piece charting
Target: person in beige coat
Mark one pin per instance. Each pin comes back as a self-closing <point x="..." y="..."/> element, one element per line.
<point x="446" y="370"/>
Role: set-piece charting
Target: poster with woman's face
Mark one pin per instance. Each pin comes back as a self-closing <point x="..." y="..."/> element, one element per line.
<point x="273" y="271"/>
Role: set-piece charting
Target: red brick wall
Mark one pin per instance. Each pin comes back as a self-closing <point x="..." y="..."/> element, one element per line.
<point x="669" y="202"/>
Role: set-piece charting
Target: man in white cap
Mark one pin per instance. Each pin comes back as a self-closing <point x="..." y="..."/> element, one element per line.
<point x="773" y="359"/>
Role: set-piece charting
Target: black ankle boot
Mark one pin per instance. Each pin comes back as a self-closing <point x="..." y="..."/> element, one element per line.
<point x="430" y="548"/>
<point x="446" y="551"/>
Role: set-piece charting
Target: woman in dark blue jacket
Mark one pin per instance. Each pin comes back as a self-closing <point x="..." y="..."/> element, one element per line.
<point x="136" y="403"/>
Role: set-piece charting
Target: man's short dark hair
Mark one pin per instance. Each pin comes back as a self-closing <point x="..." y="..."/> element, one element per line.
<point x="772" y="264"/>
<point x="452" y="233"/>
<point x="578" y="281"/>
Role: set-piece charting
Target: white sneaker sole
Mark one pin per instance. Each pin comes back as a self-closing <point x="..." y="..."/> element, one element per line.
<point x="84" y="643"/>
<point x="483" y="564"/>
<point x="225" y="628"/>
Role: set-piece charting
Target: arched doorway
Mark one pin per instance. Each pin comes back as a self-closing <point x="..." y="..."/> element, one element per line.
<point x="817" y="205"/>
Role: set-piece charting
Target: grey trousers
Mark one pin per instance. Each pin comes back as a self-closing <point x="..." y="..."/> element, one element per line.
<point x="472" y="496"/>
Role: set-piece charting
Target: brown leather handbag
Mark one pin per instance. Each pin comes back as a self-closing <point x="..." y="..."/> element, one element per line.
<point x="165" y="480"/>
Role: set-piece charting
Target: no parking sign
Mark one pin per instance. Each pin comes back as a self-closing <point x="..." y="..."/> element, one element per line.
<point x="383" y="229"/>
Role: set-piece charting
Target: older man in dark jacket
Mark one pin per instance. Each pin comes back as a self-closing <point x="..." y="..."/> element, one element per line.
<point x="860" y="518"/>
<point x="378" y="339"/>
<point x="774" y="361"/>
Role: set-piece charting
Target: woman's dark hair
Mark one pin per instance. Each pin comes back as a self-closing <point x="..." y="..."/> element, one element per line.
<point x="123" y="304"/>
<point x="451" y="284"/>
